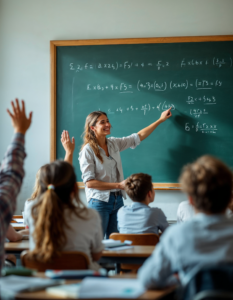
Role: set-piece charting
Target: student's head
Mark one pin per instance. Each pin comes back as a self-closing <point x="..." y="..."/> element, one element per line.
<point x="97" y="125"/>
<point x="36" y="189"/>
<point x="139" y="188"/>
<point x="58" y="191"/>
<point x="208" y="182"/>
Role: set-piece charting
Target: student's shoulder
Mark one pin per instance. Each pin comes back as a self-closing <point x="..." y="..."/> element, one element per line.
<point x="178" y="230"/>
<point x="184" y="205"/>
<point x="29" y="204"/>
<point x="156" y="211"/>
<point x="92" y="214"/>
<point x="124" y="209"/>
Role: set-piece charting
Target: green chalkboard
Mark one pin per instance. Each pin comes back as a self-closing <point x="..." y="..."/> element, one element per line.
<point x="134" y="83"/>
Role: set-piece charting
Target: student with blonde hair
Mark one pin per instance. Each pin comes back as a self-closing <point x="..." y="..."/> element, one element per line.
<point x="139" y="217"/>
<point x="59" y="221"/>
<point x="207" y="238"/>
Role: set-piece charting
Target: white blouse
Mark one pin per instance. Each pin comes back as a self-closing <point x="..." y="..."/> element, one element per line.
<point x="92" y="168"/>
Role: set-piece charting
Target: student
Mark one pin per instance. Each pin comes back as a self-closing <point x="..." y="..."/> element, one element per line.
<point x="185" y="211"/>
<point x="30" y="202"/>
<point x="13" y="236"/>
<point x="59" y="221"/>
<point x="205" y="239"/>
<point x="139" y="217"/>
<point x="101" y="166"/>
<point x="69" y="146"/>
<point x="11" y="172"/>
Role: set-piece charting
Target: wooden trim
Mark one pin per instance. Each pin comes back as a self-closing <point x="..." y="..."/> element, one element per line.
<point x="157" y="186"/>
<point x="181" y="39"/>
<point x="53" y="102"/>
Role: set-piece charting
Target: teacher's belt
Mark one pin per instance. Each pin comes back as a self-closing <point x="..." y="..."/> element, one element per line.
<point x="116" y="194"/>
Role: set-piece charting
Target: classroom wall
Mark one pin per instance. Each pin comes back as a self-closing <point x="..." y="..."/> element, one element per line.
<point x="27" y="26"/>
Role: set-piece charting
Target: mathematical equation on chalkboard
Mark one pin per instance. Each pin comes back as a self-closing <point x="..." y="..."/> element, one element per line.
<point x="157" y="86"/>
<point x="202" y="127"/>
<point x="195" y="104"/>
<point x="157" y="65"/>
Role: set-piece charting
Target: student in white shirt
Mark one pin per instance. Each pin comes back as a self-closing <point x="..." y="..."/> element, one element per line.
<point x="185" y="211"/>
<point x="139" y="217"/>
<point x="205" y="239"/>
<point x="58" y="220"/>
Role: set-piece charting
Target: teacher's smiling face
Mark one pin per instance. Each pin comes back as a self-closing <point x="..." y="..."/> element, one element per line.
<point x="102" y="126"/>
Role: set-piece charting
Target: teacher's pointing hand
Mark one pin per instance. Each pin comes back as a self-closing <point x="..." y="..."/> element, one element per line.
<point x="166" y="114"/>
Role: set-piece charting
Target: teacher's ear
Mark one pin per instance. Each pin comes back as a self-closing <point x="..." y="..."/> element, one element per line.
<point x="92" y="128"/>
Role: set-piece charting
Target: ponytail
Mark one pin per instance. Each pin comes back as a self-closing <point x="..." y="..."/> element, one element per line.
<point x="49" y="234"/>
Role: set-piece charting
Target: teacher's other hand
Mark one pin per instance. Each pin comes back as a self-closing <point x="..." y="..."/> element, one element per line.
<point x="67" y="144"/>
<point x="122" y="185"/>
<point x="166" y="114"/>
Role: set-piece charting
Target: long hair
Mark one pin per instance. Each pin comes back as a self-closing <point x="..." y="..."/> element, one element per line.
<point x="36" y="189"/>
<point x="89" y="135"/>
<point x="48" y="212"/>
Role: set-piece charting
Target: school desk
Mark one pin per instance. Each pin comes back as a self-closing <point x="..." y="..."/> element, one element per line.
<point x="18" y="226"/>
<point x="150" y="294"/>
<point x="135" y="255"/>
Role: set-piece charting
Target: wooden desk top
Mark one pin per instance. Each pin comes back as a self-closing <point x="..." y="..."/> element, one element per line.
<point x="42" y="295"/>
<point x="17" y="226"/>
<point x="17" y="246"/>
<point x="136" y="251"/>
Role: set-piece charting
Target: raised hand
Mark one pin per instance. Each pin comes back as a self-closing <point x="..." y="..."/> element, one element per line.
<point x="67" y="144"/>
<point x="166" y="114"/>
<point x="19" y="119"/>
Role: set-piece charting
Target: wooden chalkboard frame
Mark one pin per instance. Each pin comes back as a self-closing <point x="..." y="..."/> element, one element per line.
<point x="55" y="44"/>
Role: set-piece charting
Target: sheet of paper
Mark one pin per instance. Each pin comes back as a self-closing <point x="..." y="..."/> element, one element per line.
<point x="110" y="288"/>
<point x="16" y="225"/>
<point x="118" y="248"/>
<point x="16" y="284"/>
<point x="18" y="220"/>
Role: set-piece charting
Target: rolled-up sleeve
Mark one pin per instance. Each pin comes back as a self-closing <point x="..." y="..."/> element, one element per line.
<point x="87" y="164"/>
<point x="131" y="141"/>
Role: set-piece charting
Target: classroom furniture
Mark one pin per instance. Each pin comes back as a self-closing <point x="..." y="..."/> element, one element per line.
<point x="213" y="281"/>
<point x="146" y="239"/>
<point x="18" y="226"/>
<point x="135" y="255"/>
<point x="68" y="260"/>
<point x="134" y="81"/>
<point x="149" y="294"/>
<point x="15" y="225"/>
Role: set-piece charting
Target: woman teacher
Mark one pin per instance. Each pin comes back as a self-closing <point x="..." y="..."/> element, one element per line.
<point x="101" y="166"/>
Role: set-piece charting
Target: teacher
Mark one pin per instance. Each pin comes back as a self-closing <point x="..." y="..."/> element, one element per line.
<point x="101" y="166"/>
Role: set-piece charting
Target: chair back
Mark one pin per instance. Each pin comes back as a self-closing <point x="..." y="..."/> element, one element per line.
<point x="70" y="260"/>
<point x="210" y="282"/>
<point x="139" y="239"/>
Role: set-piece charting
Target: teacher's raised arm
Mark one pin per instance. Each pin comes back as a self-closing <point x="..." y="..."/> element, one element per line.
<point x="145" y="132"/>
<point x="101" y="167"/>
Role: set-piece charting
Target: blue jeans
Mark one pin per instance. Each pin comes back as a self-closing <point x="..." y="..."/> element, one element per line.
<point x="108" y="212"/>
